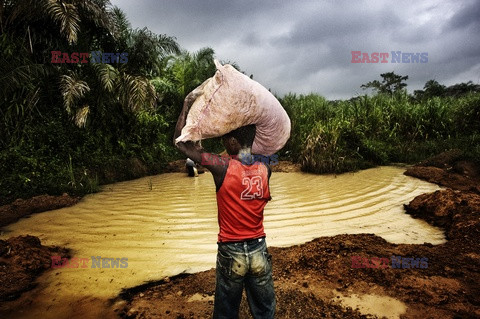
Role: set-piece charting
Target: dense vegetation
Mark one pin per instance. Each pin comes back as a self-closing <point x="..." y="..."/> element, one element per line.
<point x="339" y="136"/>
<point x="68" y="127"/>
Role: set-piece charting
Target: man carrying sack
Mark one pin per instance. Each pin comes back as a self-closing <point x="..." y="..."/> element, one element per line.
<point x="242" y="188"/>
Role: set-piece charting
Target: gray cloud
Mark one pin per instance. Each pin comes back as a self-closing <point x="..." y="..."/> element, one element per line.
<point x="467" y="16"/>
<point x="305" y="46"/>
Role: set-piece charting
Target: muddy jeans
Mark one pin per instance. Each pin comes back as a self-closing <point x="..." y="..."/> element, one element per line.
<point x="242" y="264"/>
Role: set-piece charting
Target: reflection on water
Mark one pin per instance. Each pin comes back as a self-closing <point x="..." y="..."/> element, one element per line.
<point x="167" y="224"/>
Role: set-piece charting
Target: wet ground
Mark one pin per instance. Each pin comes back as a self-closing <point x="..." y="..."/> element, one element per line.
<point x="22" y="259"/>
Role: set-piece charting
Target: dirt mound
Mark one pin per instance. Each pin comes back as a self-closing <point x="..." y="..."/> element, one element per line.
<point x="443" y="160"/>
<point x="458" y="213"/>
<point x="312" y="279"/>
<point x="447" y="169"/>
<point x="24" y="207"/>
<point x="22" y="259"/>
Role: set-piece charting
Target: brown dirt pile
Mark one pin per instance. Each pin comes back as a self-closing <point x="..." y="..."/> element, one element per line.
<point x="455" y="211"/>
<point x="449" y="170"/>
<point x="22" y="259"/>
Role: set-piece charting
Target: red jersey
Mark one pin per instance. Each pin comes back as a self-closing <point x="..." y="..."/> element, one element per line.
<point x="240" y="201"/>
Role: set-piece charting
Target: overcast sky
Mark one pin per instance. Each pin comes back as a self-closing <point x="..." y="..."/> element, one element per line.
<point x="306" y="46"/>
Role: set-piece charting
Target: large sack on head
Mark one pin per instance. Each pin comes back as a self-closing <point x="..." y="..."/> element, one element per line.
<point x="230" y="100"/>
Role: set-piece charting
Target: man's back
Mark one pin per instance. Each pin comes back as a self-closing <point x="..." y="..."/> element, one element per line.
<point x="243" y="260"/>
<point x="241" y="200"/>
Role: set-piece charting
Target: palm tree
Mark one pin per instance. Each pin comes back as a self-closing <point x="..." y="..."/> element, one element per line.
<point x="181" y="74"/>
<point x="30" y="29"/>
<point x="146" y="51"/>
<point x="188" y="70"/>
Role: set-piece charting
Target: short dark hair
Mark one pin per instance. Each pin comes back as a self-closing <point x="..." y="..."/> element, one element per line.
<point x="244" y="135"/>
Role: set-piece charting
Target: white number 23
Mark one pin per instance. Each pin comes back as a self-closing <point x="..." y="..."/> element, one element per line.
<point x="249" y="183"/>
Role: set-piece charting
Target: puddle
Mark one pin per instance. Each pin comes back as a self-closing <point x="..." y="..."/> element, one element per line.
<point x="380" y="306"/>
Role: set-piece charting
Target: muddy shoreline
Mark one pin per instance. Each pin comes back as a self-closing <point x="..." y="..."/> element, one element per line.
<point x="316" y="279"/>
<point x="22" y="260"/>
<point x="20" y="208"/>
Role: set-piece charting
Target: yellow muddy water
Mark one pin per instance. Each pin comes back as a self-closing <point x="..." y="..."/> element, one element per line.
<point x="167" y="224"/>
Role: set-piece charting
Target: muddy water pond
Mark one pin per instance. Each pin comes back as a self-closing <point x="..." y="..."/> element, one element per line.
<point x="166" y="224"/>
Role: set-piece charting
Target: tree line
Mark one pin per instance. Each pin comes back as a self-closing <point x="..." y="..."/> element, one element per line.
<point x="70" y="127"/>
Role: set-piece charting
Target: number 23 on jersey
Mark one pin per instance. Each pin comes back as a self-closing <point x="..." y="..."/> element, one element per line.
<point x="253" y="188"/>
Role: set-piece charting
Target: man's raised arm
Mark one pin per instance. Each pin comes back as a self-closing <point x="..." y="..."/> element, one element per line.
<point x="193" y="150"/>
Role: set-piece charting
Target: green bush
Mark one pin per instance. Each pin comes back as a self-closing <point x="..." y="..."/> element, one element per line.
<point x="54" y="156"/>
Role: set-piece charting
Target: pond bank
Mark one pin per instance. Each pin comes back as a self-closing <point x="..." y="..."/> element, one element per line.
<point x="10" y="213"/>
<point x="22" y="260"/>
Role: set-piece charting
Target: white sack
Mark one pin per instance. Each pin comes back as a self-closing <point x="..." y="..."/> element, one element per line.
<point x="230" y="100"/>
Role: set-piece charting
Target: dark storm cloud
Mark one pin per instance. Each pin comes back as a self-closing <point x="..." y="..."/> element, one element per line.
<point x="305" y="46"/>
<point x="468" y="15"/>
<point x="335" y="23"/>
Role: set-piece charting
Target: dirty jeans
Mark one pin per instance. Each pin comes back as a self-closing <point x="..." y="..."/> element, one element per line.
<point x="242" y="264"/>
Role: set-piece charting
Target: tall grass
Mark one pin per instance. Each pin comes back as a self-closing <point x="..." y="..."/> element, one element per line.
<point x="339" y="136"/>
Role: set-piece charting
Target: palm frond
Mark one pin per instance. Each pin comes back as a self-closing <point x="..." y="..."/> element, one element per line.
<point x="120" y="22"/>
<point x="167" y="44"/>
<point x="18" y="76"/>
<point x="72" y="89"/>
<point x="107" y="74"/>
<point x="97" y="12"/>
<point x="17" y="11"/>
<point x="204" y="55"/>
<point x="66" y="14"/>
<point x="135" y="92"/>
<point x="81" y="116"/>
